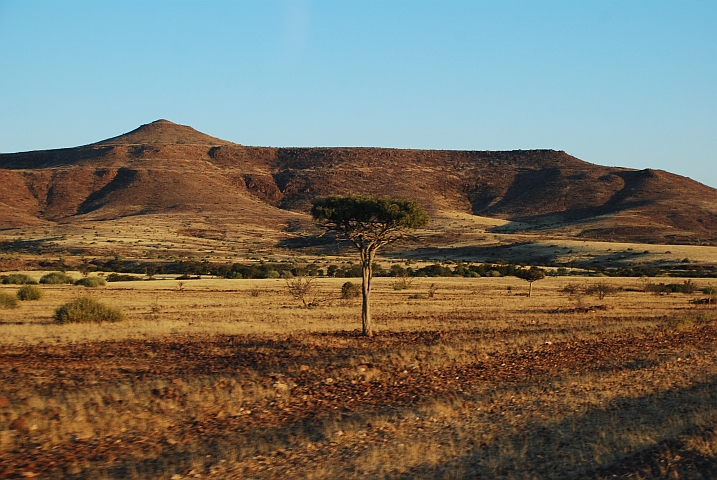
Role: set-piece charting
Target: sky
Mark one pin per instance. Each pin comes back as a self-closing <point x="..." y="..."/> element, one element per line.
<point x="617" y="83"/>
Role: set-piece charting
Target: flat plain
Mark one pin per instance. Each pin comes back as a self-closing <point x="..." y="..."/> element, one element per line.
<point x="466" y="378"/>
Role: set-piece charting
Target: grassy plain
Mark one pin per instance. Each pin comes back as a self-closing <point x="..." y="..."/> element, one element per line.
<point x="234" y="379"/>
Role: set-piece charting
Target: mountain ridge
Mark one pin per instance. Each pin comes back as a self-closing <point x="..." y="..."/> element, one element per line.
<point x="164" y="167"/>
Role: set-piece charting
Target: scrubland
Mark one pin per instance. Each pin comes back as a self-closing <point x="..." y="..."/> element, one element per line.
<point x="466" y="378"/>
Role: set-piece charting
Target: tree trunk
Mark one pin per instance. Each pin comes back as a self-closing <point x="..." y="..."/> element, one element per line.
<point x="367" y="270"/>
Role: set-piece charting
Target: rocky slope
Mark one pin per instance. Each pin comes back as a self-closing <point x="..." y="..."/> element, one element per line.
<point x="163" y="167"/>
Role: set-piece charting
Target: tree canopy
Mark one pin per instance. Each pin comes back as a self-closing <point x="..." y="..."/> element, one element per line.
<point x="532" y="275"/>
<point x="364" y="220"/>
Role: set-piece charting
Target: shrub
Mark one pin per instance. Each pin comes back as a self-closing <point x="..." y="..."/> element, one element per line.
<point x="87" y="310"/>
<point x="29" y="292"/>
<point x="7" y="300"/>
<point x="304" y="289"/>
<point x="687" y="287"/>
<point x="572" y="288"/>
<point x="18" y="279"/>
<point x="116" y="277"/>
<point x="91" y="282"/>
<point x="601" y="289"/>
<point x="350" y="290"/>
<point x="57" y="278"/>
<point x="679" y="323"/>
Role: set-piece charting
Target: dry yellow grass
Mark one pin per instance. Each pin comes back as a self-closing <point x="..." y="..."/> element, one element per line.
<point x="163" y="307"/>
<point x="497" y="384"/>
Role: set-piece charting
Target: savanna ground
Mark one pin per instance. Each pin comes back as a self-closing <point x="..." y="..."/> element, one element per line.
<point x="466" y="378"/>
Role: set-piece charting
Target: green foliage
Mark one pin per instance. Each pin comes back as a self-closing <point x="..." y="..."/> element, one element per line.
<point x="18" y="279"/>
<point x="116" y="277"/>
<point x="362" y="211"/>
<point x="29" y="292"/>
<point x="7" y="300"/>
<point x="531" y="275"/>
<point x="398" y="271"/>
<point x="57" y="278"/>
<point x="91" y="282"/>
<point x="350" y="290"/>
<point x="273" y="274"/>
<point x="435" y="270"/>
<point x="87" y="310"/>
<point x="687" y="287"/>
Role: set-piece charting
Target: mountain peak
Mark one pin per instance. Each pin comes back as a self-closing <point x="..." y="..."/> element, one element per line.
<point x="164" y="132"/>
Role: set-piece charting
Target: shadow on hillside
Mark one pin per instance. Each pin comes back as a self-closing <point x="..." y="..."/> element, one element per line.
<point x="37" y="247"/>
<point x="521" y="252"/>
<point x="324" y="244"/>
<point x="536" y="253"/>
<point x="539" y="186"/>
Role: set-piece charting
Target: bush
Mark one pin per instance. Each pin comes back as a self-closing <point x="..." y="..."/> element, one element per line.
<point x="87" y="310"/>
<point x="304" y="289"/>
<point x="57" y="278"/>
<point x="601" y="289"/>
<point x="572" y="288"/>
<point x="18" y="279"/>
<point x="7" y="300"/>
<point x="679" y="323"/>
<point x="29" y="292"/>
<point x="116" y="277"/>
<point x="91" y="282"/>
<point x="350" y="290"/>
<point x="687" y="287"/>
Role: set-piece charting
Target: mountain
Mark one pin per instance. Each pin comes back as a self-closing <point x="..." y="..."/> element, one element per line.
<point x="163" y="168"/>
<point x="164" y="132"/>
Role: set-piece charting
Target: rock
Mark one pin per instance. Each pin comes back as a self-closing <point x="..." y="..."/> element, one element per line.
<point x="21" y="425"/>
<point x="280" y="386"/>
<point x="304" y="368"/>
<point x="4" y="402"/>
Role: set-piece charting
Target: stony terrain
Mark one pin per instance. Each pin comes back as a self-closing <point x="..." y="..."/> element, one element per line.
<point x="477" y="381"/>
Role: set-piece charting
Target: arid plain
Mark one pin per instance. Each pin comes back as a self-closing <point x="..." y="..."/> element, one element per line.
<point x="235" y="379"/>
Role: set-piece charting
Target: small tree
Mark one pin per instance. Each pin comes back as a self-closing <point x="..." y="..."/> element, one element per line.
<point x="531" y="275"/>
<point x="601" y="289"/>
<point x="368" y="223"/>
<point x="302" y="288"/>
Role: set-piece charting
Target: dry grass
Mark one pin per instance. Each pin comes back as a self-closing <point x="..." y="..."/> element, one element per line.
<point x="477" y="381"/>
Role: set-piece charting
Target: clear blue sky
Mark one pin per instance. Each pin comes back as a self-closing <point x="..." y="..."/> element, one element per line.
<point x="626" y="83"/>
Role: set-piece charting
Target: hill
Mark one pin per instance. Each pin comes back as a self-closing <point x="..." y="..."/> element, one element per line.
<point x="167" y="169"/>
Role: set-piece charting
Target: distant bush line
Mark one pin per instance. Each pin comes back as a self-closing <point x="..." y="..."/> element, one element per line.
<point x="124" y="270"/>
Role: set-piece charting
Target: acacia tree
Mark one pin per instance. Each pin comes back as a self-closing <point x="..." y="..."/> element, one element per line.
<point x="368" y="223"/>
<point x="532" y="275"/>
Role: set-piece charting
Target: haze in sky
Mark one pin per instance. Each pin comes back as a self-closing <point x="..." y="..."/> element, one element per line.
<point x="630" y="84"/>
